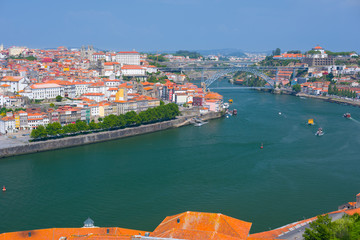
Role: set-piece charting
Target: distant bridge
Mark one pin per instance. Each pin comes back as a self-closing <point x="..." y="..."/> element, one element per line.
<point x="254" y="71"/>
<point x="233" y="88"/>
<point x="224" y="70"/>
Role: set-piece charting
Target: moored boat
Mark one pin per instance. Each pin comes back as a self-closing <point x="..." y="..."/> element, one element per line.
<point x="311" y="121"/>
<point x="319" y="132"/>
<point x="230" y="100"/>
<point x="234" y="112"/>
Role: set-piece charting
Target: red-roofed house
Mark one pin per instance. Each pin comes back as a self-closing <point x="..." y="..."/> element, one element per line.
<point x="7" y="124"/>
<point x="132" y="70"/>
<point x="16" y="83"/>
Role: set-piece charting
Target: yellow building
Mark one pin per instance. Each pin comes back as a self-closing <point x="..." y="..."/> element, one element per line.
<point x="17" y="121"/>
<point x="121" y="95"/>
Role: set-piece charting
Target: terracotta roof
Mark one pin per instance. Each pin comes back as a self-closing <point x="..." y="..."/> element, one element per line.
<point x="73" y="233"/>
<point x="131" y="67"/>
<point x="198" y="225"/>
<point x="11" y="79"/>
<point x="93" y="94"/>
<point x="44" y="85"/>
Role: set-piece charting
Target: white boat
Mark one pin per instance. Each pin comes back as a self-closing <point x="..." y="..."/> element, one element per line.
<point x="199" y="124"/>
<point x="319" y="132"/>
<point x="226" y="105"/>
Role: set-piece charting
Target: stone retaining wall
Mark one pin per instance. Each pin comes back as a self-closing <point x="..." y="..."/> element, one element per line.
<point x="96" y="137"/>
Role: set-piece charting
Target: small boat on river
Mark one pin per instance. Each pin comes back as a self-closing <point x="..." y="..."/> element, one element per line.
<point x="311" y="121"/>
<point x="319" y="132"/>
<point x="234" y="112"/>
<point x="230" y="101"/>
<point x="347" y="115"/>
<point x="199" y="124"/>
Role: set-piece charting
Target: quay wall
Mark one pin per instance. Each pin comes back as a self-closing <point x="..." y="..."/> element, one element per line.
<point x="33" y="147"/>
<point x="330" y="99"/>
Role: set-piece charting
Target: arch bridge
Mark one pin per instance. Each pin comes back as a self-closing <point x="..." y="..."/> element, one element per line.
<point x="224" y="72"/>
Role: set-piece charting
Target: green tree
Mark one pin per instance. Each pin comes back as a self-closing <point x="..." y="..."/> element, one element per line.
<point x="81" y="125"/>
<point x="330" y="90"/>
<point x="59" y="98"/>
<point x="335" y="91"/>
<point x="53" y="129"/>
<point x="277" y="51"/>
<point x="70" y="128"/>
<point x="132" y="118"/>
<point x="329" y="77"/>
<point x="93" y="125"/>
<point x="319" y="229"/>
<point x="345" y="228"/>
<point x="296" y="88"/>
<point x="40" y="132"/>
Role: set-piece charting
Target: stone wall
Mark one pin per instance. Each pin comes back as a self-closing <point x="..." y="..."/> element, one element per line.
<point x="96" y="137"/>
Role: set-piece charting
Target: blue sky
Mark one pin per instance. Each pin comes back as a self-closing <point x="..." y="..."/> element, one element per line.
<point x="252" y="25"/>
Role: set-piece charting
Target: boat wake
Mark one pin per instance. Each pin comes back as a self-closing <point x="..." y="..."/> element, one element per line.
<point x="357" y="121"/>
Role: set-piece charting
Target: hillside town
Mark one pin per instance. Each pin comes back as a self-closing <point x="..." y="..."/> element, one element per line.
<point x="318" y="72"/>
<point x="38" y="87"/>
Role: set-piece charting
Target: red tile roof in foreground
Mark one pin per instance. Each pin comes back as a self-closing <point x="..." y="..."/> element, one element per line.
<point x="188" y="225"/>
<point x="198" y="225"/>
<point x="73" y="233"/>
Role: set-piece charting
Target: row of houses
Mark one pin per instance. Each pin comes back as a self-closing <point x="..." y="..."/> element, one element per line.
<point x="32" y="118"/>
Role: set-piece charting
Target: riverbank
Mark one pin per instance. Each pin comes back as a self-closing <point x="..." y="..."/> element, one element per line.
<point x="324" y="98"/>
<point x="330" y="99"/>
<point x="26" y="148"/>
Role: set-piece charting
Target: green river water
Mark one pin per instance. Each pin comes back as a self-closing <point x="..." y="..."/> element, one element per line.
<point x="219" y="167"/>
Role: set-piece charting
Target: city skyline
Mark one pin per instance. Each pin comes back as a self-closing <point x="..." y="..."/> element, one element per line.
<point x="160" y="25"/>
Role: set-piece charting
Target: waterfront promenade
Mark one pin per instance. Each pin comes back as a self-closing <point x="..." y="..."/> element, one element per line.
<point x="11" y="146"/>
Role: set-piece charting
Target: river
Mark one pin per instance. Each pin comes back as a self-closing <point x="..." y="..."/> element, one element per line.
<point x="219" y="167"/>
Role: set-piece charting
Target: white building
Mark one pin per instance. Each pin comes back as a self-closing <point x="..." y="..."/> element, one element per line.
<point x="16" y="51"/>
<point x="132" y="70"/>
<point x="81" y="88"/>
<point x="151" y="69"/>
<point x="98" y="56"/>
<point x="94" y="110"/>
<point x="98" y="97"/>
<point x="321" y="52"/>
<point x="7" y="124"/>
<point x="129" y="58"/>
<point x="16" y="83"/>
<point x="36" y="119"/>
<point x="2" y="100"/>
<point x="43" y="91"/>
<point x="97" y="87"/>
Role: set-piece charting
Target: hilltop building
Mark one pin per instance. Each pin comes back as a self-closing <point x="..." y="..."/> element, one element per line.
<point x="319" y="58"/>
